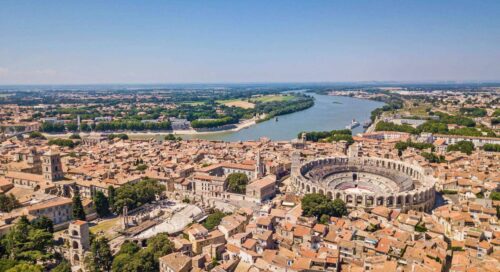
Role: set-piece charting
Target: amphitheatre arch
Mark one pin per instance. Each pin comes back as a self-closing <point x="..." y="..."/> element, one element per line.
<point x="367" y="182"/>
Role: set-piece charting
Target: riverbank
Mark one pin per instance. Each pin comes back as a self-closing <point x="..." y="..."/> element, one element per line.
<point x="373" y="124"/>
<point x="324" y="115"/>
<point x="144" y="134"/>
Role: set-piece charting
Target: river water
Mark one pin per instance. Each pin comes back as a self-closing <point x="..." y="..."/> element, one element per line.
<point x="328" y="113"/>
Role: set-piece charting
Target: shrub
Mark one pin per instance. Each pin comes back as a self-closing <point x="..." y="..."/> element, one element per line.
<point x="36" y="135"/>
<point x="63" y="142"/>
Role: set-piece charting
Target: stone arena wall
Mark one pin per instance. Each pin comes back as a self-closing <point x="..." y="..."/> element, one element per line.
<point x="410" y="186"/>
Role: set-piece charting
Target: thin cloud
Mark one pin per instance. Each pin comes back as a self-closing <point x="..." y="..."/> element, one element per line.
<point x="4" y="71"/>
<point x="45" y="72"/>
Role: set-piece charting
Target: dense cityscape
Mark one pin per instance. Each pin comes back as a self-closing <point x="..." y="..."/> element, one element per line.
<point x="418" y="190"/>
<point x="250" y="136"/>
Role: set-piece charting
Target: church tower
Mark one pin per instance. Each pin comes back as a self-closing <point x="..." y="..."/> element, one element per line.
<point x="51" y="166"/>
<point x="295" y="161"/>
<point x="33" y="159"/>
<point x="259" y="166"/>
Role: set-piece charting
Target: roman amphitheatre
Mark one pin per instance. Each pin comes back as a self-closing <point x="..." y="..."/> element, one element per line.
<point x="367" y="182"/>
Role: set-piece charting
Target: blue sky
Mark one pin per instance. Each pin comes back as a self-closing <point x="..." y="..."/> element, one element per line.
<point x="70" y="42"/>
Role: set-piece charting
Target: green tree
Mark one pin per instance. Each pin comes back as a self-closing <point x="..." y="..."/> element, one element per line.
<point x="463" y="146"/>
<point x="214" y="262"/>
<point x="339" y="208"/>
<point x="24" y="267"/>
<point x="433" y="127"/>
<point x="132" y="258"/>
<point x="128" y="247"/>
<point x="213" y="220"/>
<point x="474" y="112"/>
<point x="8" y="202"/>
<point x="121" y="136"/>
<point x="100" y="258"/>
<point x="388" y="126"/>
<point x="64" y="266"/>
<point x="214" y="122"/>
<point x="170" y="137"/>
<point x="126" y="262"/>
<point x="126" y="259"/>
<point x="16" y="238"/>
<point x="136" y="195"/>
<point x="23" y="242"/>
<point x="492" y="147"/>
<point x="75" y="136"/>
<point x="495" y="195"/>
<point x="237" y="183"/>
<point x="158" y="246"/>
<point x="43" y="223"/>
<point x="63" y="142"/>
<point x="111" y="196"/>
<point x="78" y="211"/>
<point x="39" y="241"/>
<point x="401" y="146"/>
<point x="317" y="205"/>
<point x="5" y="264"/>
<point x="72" y="126"/>
<point x="315" y="136"/>
<point x="433" y="158"/>
<point x="324" y="219"/>
<point x="36" y="135"/>
<point x="52" y="127"/>
<point x="420" y="228"/>
<point x="101" y="204"/>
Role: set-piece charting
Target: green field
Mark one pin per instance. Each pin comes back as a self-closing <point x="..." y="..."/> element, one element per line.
<point x="195" y="103"/>
<point x="242" y="103"/>
<point x="418" y="110"/>
<point x="229" y="100"/>
<point x="247" y="103"/>
<point x="107" y="227"/>
<point x="263" y="99"/>
<point x="272" y="98"/>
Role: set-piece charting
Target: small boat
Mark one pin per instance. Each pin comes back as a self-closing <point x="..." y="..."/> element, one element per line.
<point x="353" y="124"/>
<point x="367" y="124"/>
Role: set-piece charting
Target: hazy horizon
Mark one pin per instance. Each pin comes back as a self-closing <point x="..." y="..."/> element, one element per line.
<point x="375" y="84"/>
<point x="227" y="42"/>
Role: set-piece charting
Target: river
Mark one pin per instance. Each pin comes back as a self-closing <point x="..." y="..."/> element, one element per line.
<point x="328" y="113"/>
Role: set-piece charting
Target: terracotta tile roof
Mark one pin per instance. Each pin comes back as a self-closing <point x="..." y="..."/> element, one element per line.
<point x="233" y="248"/>
<point x="263" y="182"/>
<point x="208" y="178"/>
<point x="176" y="260"/>
<point x="301" y="263"/>
<point x="264" y="220"/>
<point x="79" y="222"/>
<point x="249" y="244"/>
<point x="59" y="201"/>
<point x="301" y="231"/>
<point x="25" y="176"/>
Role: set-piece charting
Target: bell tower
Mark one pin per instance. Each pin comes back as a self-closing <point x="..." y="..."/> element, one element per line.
<point x="259" y="166"/>
<point x="33" y="160"/>
<point x="51" y="166"/>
